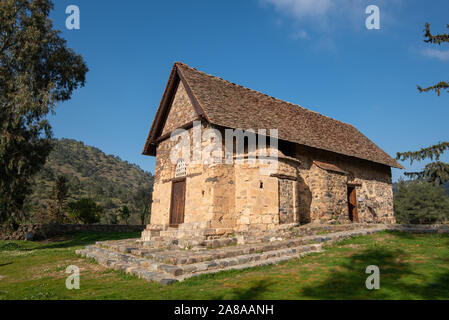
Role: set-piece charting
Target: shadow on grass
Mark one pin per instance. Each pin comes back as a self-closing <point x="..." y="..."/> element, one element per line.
<point x="418" y="235"/>
<point x="254" y="291"/>
<point x="74" y="240"/>
<point x="348" y="282"/>
<point x="438" y="239"/>
<point x="414" y="236"/>
<point x="437" y="289"/>
<point x="82" y="239"/>
<point x="5" y="264"/>
<point x="403" y="235"/>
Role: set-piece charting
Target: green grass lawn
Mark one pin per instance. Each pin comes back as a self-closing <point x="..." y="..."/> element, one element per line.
<point x="411" y="267"/>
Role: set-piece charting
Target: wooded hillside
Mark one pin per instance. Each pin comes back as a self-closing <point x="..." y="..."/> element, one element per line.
<point x="91" y="173"/>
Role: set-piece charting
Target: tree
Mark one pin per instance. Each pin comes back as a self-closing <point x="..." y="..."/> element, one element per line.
<point x="58" y="197"/>
<point x="37" y="71"/>
<point x="110" y="218"/>
<point x="142" y="200"/>
<point x="124" y="214"/>
<point x="85" y="210"/>
<point x="421" y="202"/>
<point x="436" y="171"/>
<point x="435" y="39"/>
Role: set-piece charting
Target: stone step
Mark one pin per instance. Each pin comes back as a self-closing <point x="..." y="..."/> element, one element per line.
<point x="182" y="257"/>
<point x="127" y="246"/>
<point x="289" y="232"/>
<point x="219" y="261"/>
<point x="126" y="266"/>
<point x="185" y="238"/>
<point x="188" y="242"/>
<point x="223" y="264"/>
<point x="257" y="263"/>
<point x="166" y="266"/>
<point x="186" y="233"/>
<point x="166" y="273"/>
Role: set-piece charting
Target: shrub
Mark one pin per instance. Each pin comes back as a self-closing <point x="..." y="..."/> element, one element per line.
<point x="419" y="202"/>
<point x="85" y="210"/>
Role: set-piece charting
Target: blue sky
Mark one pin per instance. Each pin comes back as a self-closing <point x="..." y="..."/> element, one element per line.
<point x="315" y="53"/>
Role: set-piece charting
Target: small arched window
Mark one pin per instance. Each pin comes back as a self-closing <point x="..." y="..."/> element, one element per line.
<point x="180" y="170"/>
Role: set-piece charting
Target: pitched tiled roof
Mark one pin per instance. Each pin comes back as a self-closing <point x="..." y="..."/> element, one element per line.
<point x="329" y="167"/>
<point x="229" y="105"/>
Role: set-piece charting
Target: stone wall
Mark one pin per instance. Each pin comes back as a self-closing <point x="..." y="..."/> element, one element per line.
<point x="256" y="198"/>
<point x="325" y="191"/>
<point x="221" y="180"/>
<point x="328" y="195"/>
<point x="286" y="201"/>
<point x="237" y="197"/>
<point x="181" y="111"/>
<point x="201" y="181"/>
<point x="44" y="231"/>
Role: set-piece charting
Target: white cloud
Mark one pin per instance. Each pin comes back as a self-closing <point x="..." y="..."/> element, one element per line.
<point x="302" y="8"/>
<point x="323" y="17"/>
<point x="318" y="14"/>
<point x="316" y="21"/>
<point x="300" y="34"/>
<point x="435" y="53"/>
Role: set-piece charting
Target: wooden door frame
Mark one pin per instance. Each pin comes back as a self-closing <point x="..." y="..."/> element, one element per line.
<point x="183" y="179"/>
<point x="354" y="214"/>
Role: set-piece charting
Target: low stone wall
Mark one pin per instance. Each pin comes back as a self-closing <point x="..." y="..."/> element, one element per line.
<point x="44" y="231"/>
<point x="293" y="230"/>
<point x="421" y="228"/>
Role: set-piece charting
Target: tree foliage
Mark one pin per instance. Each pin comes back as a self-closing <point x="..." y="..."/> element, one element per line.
<point x="85" y="211"/>
<point x="124" y="214"/>
<point x="437" y="171"/>
<point x="435" y="39"/>
<point x="420" y="202"/>
<point x="142" y="200"/>
<point x="37" y="70"/>
<point x="91" y="173"/>
<point x="110" y="218"/>
<point x="57" y="204"/>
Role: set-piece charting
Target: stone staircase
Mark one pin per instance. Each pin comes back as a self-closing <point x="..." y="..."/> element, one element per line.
<point x="187" y="236"/>
<point x="186" y="239"/>
<point x="168" y="265"/>
<point x="205" y="237"/>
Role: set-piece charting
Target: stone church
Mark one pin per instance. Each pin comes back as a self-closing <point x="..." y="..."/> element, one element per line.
<point x="327" y="171"/>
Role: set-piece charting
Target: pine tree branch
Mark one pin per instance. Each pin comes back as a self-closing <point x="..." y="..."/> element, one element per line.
<point x="436" y="39"/>
<point x="437" y="172"/>
<point x="439" y="86"/>
<point x="433" y="152"/>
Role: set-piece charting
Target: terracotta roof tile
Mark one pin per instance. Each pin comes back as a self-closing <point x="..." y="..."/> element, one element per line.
<point x="230" y="105"/>
<point x="329" y="167"/>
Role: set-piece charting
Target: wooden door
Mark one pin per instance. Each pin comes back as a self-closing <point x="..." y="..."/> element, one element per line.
<point x="178" y="195"/>
<point x="352" y="203"/>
